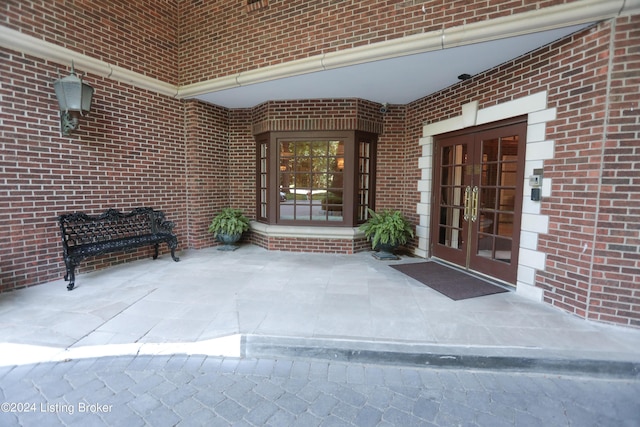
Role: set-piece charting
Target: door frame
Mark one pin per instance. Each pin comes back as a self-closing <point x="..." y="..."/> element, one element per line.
<point x="538" y="149"/>
<point x="466" y="257"/>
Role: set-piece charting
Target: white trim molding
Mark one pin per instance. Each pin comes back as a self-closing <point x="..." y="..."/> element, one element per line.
<point x="538" y="149"/>
<point x="20" y="42"/>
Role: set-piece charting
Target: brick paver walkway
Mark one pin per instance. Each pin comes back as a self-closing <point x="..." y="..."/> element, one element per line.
<point x="199" y="390"/>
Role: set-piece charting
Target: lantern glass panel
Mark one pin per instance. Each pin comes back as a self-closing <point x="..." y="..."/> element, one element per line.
<point x="87" y="95"/>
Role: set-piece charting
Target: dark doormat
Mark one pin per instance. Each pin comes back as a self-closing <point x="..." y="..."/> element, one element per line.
<point x="448" y="281"/>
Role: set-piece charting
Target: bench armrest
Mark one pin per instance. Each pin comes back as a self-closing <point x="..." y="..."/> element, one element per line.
<point x="166" y="226"/>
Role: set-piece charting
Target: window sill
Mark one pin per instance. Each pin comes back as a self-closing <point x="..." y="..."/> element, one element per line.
<point x="306" y="231"/>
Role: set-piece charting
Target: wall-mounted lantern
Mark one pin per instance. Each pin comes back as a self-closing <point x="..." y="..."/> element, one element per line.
<point x="74" y="97"/>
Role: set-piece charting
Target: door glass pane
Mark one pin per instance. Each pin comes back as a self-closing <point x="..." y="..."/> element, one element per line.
<point x="451" y="235"/>
<point x="505" y="225"/>
<point x="489" y="174"/>
<point x="507" y="199"/>
<point x="497" y="193"/>
<point x="485" y="245"/>
<point x="509" y="146"/>
<point x="490" y="150"/>
<point x="488" y="197"/>
<point x="448" y="155"/>
<point x="486" y="222"/>
<point x="452" y="193"/>
<point x="503" y="249"/>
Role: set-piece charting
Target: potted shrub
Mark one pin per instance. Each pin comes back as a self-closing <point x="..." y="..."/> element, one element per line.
<point x="228" y="227"/>
<point x="387" y="230"/>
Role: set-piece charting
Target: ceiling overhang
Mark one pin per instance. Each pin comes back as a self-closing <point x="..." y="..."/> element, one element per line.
<point x="398" y="80"/>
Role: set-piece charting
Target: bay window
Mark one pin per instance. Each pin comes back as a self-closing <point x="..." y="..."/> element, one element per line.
<point x="315" y="178"/>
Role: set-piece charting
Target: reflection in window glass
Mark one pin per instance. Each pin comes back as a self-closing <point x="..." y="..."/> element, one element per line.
<point x="311" y="180"/>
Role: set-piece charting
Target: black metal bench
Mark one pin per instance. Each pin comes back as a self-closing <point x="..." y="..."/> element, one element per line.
<point x="85" y="236"/>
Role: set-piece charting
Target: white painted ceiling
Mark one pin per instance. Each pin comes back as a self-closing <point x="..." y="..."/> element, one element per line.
<point x="395" y="81"/>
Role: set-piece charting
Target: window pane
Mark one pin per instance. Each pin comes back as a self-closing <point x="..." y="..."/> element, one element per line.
<point x="311" y="179"/>
<point x="319" y="164"/>
<point x="364" y="180"/>
<point x="263" y="182"/>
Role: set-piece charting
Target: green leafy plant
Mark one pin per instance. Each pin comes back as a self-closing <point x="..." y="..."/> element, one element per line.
<point x="387" y="227"/>
<point x="230" y="221"/>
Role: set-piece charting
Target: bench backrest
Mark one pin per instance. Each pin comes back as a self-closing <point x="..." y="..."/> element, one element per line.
<point x="80" y="228"/>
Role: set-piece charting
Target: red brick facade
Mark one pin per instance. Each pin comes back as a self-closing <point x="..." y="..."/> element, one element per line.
<point x="139" y="148"/>
<point x="234" y="40"/>
<point x="208" y="184"/>
<point x="327" y="246"/>
<point x="615" y="278"/>
<point x="139" y="35"/>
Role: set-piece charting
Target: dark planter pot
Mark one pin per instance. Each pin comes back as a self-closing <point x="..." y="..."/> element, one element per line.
<point x="228" y="241"/>
<point x="385" y="251"/>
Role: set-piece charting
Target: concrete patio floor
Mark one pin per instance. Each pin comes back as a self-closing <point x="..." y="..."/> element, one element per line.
<point x="252" y="301"/>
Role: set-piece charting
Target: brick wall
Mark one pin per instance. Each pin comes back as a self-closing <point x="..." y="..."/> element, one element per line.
<point x="138" y="35"/>
<point x="392" y="165"/>
<point x="580" y="96"/>
<point x="615" y="281"/>
<point x="128" y="152"/>
<point x="317" y="114"/>
<point x="207" y="168"/>
<point x="242" y="166"/>
<point x="316" y="245"/>
<point x="593" y="263"/>
<point x="396" y="167"/>
<point x="234" y="40"/>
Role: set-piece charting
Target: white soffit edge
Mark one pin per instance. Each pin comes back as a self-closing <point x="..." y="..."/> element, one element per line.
<point x="396" y="81"/>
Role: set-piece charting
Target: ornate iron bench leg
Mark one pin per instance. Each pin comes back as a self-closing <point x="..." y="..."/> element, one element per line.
<point x="71" y="274"/>
<point x="155" y="251"/>
<point x="67" y="267"/>
<point x="173" y="244"/>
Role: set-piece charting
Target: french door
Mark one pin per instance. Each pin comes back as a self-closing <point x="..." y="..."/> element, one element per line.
<point x="479" y="179"/>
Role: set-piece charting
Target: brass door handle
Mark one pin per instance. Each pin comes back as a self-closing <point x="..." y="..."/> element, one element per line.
<point x="467" y="203"/>
<point x="474" y="204"/>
